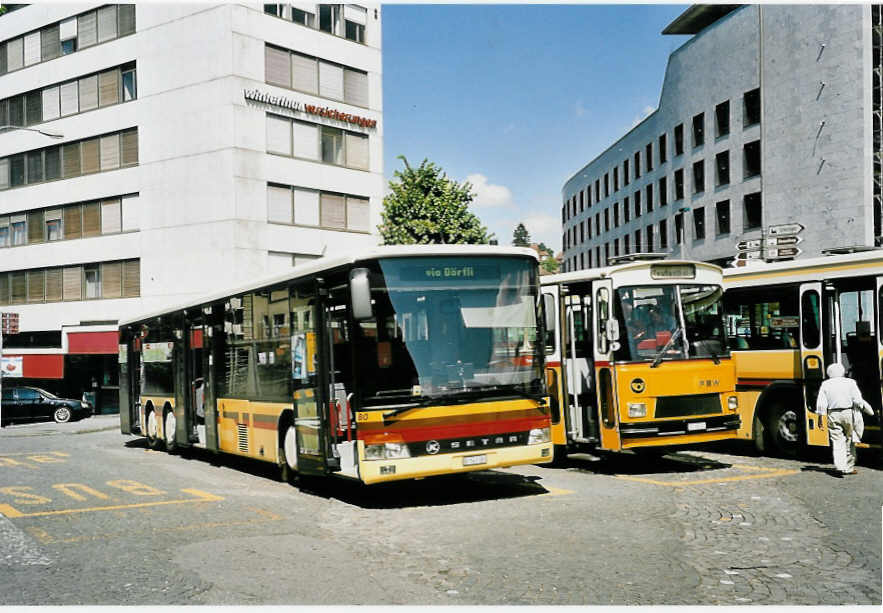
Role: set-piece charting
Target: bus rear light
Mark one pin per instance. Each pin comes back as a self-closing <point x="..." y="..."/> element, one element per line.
<point x="538" y="435"/>
<point x="733" y="403"/>
<point x="387" y="451"/>
<point x="637" y="409"/>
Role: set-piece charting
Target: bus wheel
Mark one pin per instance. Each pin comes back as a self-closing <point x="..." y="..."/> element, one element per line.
<point x="152" y="430"/>
<point x="169" y="425"/>
<point x="758" y="435"/>
<point x="785" y="429"/>
<point x="288" y="455"/>
<point x="559" y="455"/>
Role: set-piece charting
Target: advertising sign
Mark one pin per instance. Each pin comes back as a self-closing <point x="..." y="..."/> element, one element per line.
<point x="12" y="367"/>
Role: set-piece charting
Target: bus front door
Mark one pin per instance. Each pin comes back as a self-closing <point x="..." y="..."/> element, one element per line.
<point x="606" y="388"/>
<point x="578" y="369"/>
<point x="812" y="363"/>
<point x="197" y="383"/>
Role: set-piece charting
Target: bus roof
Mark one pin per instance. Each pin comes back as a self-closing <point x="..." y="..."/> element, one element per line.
<point x="332" y="262"/>
<point x="591" y="274"/>
<point x="809" y="269"/>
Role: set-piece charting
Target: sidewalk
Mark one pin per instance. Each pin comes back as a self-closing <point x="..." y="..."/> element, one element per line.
<point x="96" y="423"/>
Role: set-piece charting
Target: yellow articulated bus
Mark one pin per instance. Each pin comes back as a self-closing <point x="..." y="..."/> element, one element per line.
<point x="787" y="322"/>
<point x="402" y="362"/>
<point x="641" y="360"/>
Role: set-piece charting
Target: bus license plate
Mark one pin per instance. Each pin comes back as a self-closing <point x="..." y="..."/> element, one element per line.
<point x="473" y="460"/>
<point x="696" y="425"/>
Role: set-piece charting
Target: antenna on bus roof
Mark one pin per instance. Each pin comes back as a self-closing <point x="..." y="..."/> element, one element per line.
<point x="848" y="249"/>
<point x="635" y="257"/>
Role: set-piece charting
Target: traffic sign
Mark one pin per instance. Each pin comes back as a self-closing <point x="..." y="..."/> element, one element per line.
<point x="750" y="244"/>
<point x="784" y="228"/>
<point x="748" y="255"/>
<point x="779" y="253"/>
<point x="780" y="241"/>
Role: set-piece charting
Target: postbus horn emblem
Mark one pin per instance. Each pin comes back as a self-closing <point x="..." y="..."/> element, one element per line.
<point x="433" y="447"/>
<point x="637" y="385"/>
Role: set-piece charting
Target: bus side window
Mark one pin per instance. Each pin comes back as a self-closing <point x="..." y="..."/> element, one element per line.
<point x="602" y="302"/>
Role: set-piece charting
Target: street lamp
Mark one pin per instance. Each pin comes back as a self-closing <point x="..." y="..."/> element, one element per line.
<point x="43" y="132"/>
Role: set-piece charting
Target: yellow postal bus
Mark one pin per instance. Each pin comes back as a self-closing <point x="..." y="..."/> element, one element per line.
<point x="398" y="363"/>
<point x="641" y="361"/>
<point x="787" y="322"/>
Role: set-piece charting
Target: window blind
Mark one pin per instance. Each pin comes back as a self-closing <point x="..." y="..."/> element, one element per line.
<point x="278" y="135"/>
<point x="51" y="103"/>
<point x="52" y="163"/>
<point x="89" y="153"/>
<point x="355" y="14"/>
<point x="131" y="278"/>
<point x="111" y="222"/>
<point x="107" y="23"/>
<point x="306" y="140"/>
<point x="333" y="211"/>
<point x="278" y="204"/>
<point x="110" y="152"/>
<point x="19" y="283"/>
<point x="277" y="66"/>
<point x="355" y="87"/>
<point x="306" y="207"/>
<point x="91" y="219"/>
<point x="330" y="81"/>
<point x="127" y="19"/>
<point x="358" y="214"/>
<point x="131" y="213"/>
<point x="304" y="73"/>
<point x="36" y="285"/>
<point x="4" y="173"/>
<point x="32" y="48"/>
<point x="72" y="283"/>
<point x="50" y="44"/>
<point x="109" y="87"/>
<point x="89" y="93"/>
<point x="70" y="99"/>
<point x="33" y="108"/>
<point x="111" y="280"/>
<point x="357" y="150"/>
<point x="71" y="160"/>
<point x="15" y="54"/>
<point x="68" y="29"/>
<point x="53" y="285"/>
<point x="4" y="288"/>
<point x="35" y="227"/>
<point x="73" y="221"/>
<point x="87" y="30"/>
<point x="129" y="147"/>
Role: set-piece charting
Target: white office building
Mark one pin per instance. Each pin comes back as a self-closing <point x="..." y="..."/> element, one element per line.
<point x="195" y="147"/>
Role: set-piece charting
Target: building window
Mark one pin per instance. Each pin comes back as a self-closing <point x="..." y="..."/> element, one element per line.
<point x="648" y="157"/>
<point x="615" y="178"/>
<point x="722" y="209"/>
<point x="699" y="130"/>
<point x="663" y="152"/>
<point x="699" y="223"/>
<point x="309" y="207"/>
<point x="606" y="185"/>
<point x="637" y="198"/>
<point x="329" y="18"/>
<point x="637" y="164"/>
<point x="597" y="190"/>
<point x="625" y="172"/>
<point x="751" y="108"/>
<point x="679" y="184"/>
<point x="92" y="281"/>
<point x="615" y="214"/>
<point x="626" y="246"/>
<point x="606" y="253"/>
<point x="581" y="207"/>
<point x="753" y="211"/>
<point x="663" y="191"/>
<point x="722" y="161"/>
<point x="722" y="119"/>
<point x="316" y="142"/>
<point x="699" y="177"/>
<point x="649" y="199"/>
<point x="355" y="20"/>
<point x="679" y="228"/>
<point x="315" y="76"/>
<point x="663" y="234"/>
<point x="637" y="241"/>
<point x="751" y="159"/>
<point x="597" y="224"/>
<point x="85" y="281"/>
<point x="626" y="211"/>
<point x="679" y="139"/>
<point x="607" y="220"/>
<point x="649" y="239"/>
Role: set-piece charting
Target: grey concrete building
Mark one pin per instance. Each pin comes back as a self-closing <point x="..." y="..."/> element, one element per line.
<point x="768" y="115"/>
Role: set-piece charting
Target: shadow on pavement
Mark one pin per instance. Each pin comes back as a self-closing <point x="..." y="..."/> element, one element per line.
<point x="627" y="463"/>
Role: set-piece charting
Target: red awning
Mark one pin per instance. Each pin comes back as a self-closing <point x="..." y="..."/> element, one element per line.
<point x="93" y="342"/>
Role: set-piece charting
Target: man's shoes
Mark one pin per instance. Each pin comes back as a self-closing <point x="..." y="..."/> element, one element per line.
<point x="851" y="472"/>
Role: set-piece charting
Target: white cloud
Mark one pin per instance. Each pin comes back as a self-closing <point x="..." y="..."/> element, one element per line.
<point x="487" y="194"/>
<point x="644" y="114"/>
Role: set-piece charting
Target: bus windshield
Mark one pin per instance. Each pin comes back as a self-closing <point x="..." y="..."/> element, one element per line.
<point x="448" y="327"/>
<point x="651" y="319"/>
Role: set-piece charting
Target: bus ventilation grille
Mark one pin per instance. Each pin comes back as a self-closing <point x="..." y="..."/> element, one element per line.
<point x="243" y="437"/>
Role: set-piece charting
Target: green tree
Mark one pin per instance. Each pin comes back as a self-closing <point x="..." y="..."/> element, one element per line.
<point x="520" y="237"/>
<point x="549" y="265"/>
<point x="426" y="207"/>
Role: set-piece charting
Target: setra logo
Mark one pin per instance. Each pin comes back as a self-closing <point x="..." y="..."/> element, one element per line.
<point x="433" y="447"/>
<point x="637" y="386"/>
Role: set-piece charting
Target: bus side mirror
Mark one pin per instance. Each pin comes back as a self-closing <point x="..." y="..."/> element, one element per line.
<point x="550" y="312"/>
<point x="612" y="330"/>
<point x="360" y="294"/>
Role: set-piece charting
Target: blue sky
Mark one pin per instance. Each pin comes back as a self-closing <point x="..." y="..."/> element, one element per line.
<point x="517" y="98"/>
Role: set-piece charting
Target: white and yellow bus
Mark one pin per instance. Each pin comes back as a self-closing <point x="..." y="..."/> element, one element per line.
<point x="786" y="323"/>
<point x="398" y="363"/>
<point x="641" y="360"/>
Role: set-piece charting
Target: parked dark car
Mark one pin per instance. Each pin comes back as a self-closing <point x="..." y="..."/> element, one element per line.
<point x="33" y="403"/>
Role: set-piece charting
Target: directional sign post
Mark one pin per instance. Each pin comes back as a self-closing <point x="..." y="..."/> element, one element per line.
<point x="784" y="229"/>
<point x="8" y="325"/>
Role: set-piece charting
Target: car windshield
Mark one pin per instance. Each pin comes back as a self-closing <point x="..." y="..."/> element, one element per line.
<point x="450" y="327"/>
<point x="650" y="318"/>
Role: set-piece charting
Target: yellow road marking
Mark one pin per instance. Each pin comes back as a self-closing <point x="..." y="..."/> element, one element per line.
<point x="770" y="472"/>
<point x="58" y="453"/>
<point x="200" y="496"/>
<point x="554" y="491"/>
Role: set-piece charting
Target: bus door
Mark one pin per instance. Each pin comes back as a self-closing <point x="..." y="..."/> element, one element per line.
<point x="196" y="380"/>
<point x="578" y="366"/>
<point x="310" y="366"/>
<point x="812" y="361"/>
<point x="554" y="378"/>
<point x="128" y="408"/>
<point x="603" y="351"/>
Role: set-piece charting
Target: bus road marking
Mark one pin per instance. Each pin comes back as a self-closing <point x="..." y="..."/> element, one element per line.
<point x="197" y="496"/>
<point x="31" y="459"/>
<point x="766" y="473"/>
<point x="555" y="491"/>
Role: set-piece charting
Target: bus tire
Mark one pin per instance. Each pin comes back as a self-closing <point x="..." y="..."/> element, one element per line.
<point x="784" y="428"/>
<point x="758" y="436"/>
<point x="170" y="423"/>
<point x="152" y="429"/>
<point x="559" y="455"/>
<point x="288" y="454"/>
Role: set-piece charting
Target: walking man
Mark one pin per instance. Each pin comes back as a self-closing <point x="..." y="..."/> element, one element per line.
<point x="841" y="399"/>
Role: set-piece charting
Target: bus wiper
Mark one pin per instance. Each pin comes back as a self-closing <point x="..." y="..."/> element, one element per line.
<point x="661" y="352"/>
<point x="714" y="357"/>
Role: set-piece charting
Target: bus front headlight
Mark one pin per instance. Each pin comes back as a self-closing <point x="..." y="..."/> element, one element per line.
<point x="637" y="409"/>
<point x="538" y="435"/>
<point x="387" y="451"/>
<point x="733" y="403"/>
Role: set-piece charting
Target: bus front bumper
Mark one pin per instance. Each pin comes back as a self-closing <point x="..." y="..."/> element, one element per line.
<point x="693" y="430"/>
